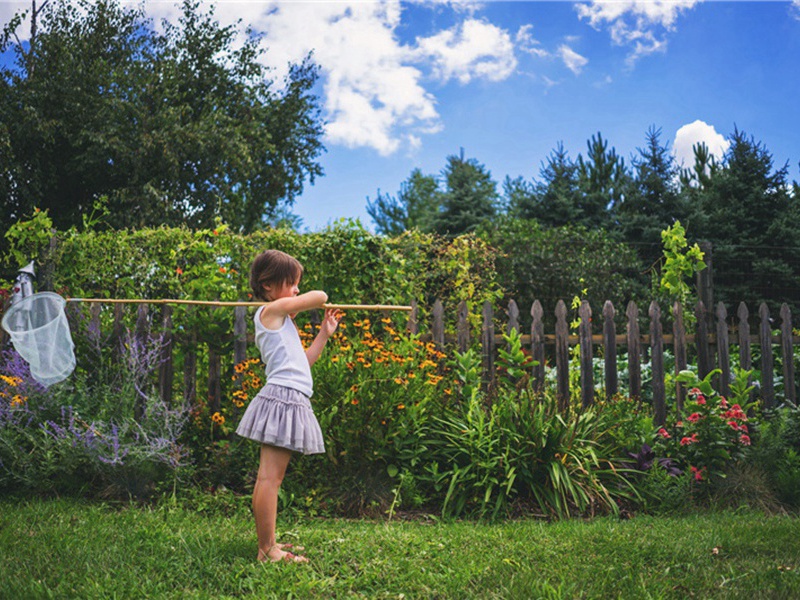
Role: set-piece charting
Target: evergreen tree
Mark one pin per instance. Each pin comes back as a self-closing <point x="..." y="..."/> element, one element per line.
<point x="745" y="209"/>
<point x="603" y="183"/>
<point x="653" y="201"/>
<point x="415" y="206"/>
<point x="469" y="199"/>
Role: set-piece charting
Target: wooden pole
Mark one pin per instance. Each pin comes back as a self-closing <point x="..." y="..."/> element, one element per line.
<point x="220" y="303"/>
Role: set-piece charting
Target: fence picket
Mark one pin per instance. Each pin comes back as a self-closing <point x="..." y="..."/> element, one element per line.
<point x="634" y="353"/>
<point x="610" y="349"/>
<point x="537" y="345"/>
<point x="587" y="354"/>
<point x="704" y="359"/>
<point x="462" y="329"/>
<point x="723" y="351"/>
<point x="437" y="328"/>
<point x="787" y="353"/>
<point x="562" y="356"/>
<point x="166" y="371"/>
<point x="657" y="362"/>
<point x="765" y="339"/>
<point x="488" y="342"/>
<point x="679" y="348"/>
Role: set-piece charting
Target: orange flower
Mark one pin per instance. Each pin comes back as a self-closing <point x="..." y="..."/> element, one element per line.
<point x="401" y="406"/>
<point x="179" y="271"/>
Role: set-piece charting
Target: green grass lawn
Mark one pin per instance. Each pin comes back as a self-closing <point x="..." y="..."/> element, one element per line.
<point x="69" y="549"/>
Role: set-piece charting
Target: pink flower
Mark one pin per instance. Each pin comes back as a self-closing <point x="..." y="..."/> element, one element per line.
<point x="679" y="424"/>
<point x="695" y="391"/>
<point x="733" y="424"/>
<point x="743" y="427"/>
<point x="698" y="473"/>
<point x="744" y="439"/>
<point x="701" y="399"/>
<point x="722" y="402"/>
<point x="664" y="433"/>
<point x="689" y="440"/>
<point x="693" y="418"/>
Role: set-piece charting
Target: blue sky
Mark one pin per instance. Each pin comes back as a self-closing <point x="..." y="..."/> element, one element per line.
<point x="404" y="85"/>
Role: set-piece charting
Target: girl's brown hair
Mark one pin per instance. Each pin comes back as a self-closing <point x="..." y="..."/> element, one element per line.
<point x="273" y="267"/>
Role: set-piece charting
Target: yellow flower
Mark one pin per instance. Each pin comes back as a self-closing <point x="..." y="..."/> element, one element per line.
<point x="387" y="321"/>
<point x="334" y="359"/>
<point x="400" y="381"/>
<point x="401" y="406"/>
<point x="18" y="400"/>
<point x="218" y="418"/>
<point x="354" y="388"/>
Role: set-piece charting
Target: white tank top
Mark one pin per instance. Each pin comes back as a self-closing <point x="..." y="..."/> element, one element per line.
<point x="283" y="353"/>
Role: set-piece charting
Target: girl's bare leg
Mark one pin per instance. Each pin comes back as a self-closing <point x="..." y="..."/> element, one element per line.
<point x="271" y="469"/>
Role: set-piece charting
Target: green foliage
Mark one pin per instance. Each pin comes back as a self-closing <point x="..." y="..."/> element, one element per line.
<point x="537" y="263"/>
<point x="777" y="453"/>
<point x="174" y="127"/>
<point x="680" y="261"/>
<point x="712" y="433"/>
<point x="744" y="208"/>
<point x="415" y="206"/>
<point x="28" y="239"/>
<point x="81" y="437"/>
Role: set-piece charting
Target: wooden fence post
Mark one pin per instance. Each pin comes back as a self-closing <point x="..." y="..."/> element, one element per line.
<point x="190" y="367"/>
<point x="787" y="354"/>
<point x="487" y="342"/>
<point x="562" y="356"/>
<point x="413" y="319"/>
<point x="634" y="352"/>
<point x="765" y="339"/>
<point x="745" y="357"/>
<point x="657" y="361"/>
<point x="723" y="351"/>
<point x="610" y="349"/>
<point x="166" y="371"/>
<point x="140" y="338"/>
<point x="118" y="332"/>
<point x="513" y="317"/>
<point x="679" y="347"/>
<point x="437" y="328"/>
<point x="587" y="351"/>
<point x="239" y="335"/>
<point x="537" y="345"/>
<point x="704" y="360"/>
<point x="462" y="327"/>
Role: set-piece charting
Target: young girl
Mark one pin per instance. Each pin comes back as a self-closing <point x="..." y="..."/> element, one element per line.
<point x="280" y="417"/>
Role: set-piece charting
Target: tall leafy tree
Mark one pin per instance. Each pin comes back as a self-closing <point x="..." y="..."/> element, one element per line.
<point x="415" y="206"/>
<point x="745" y="208"/>
<point x="469" y="199"/>
<point x="175" y="128"/>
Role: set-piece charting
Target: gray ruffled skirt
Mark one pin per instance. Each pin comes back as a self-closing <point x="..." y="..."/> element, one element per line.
<point x="281" y="416"/>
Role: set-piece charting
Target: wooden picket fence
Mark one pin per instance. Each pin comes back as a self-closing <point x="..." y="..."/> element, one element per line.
<point x="711" y="343"/>
<point x="710" y="346"/>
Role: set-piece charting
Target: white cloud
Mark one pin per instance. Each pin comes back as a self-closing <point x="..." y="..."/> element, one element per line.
<point x="795" y="9"/>
<point x="698" y="132"/>
<point x="640" y="24"/>
<point x="472" y="49"/>
<point x="574" y="61"/>
<point x="527" y="43"/>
